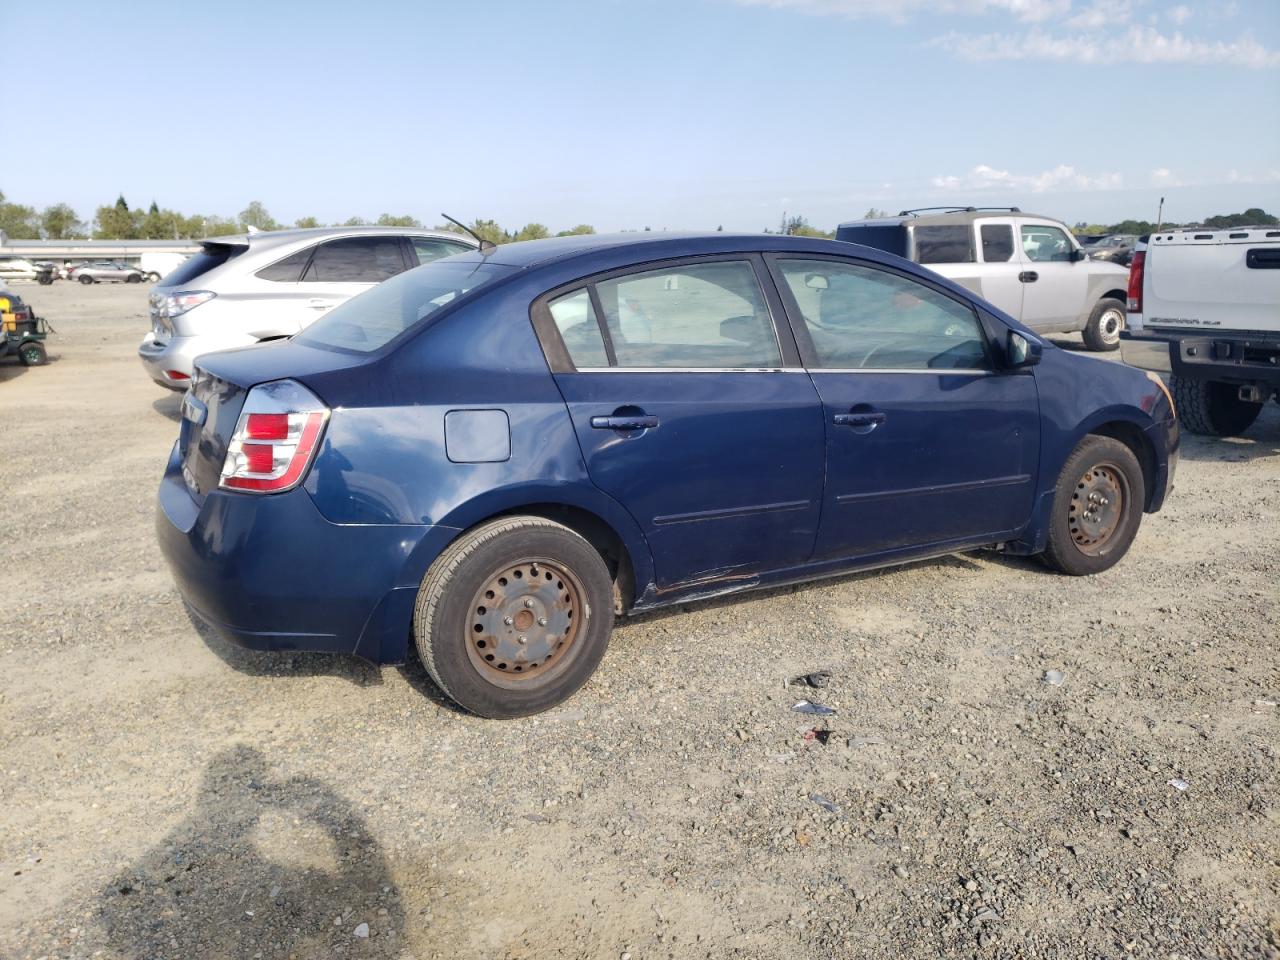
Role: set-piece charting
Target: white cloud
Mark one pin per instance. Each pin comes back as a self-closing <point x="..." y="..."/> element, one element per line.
<point x="1179" y="14"/>
<point x="1061" y="177"/>
<point x="1267" y="176"/>
<point x="1028" y="11"/>
<point x="1137" y="45"/>
<point x="1164" y="177"/>
<point x="1102" y="14"/>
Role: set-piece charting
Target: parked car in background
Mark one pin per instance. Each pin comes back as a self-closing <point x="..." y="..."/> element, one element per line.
<point x="156" y="266"/>
<point x="1204" y="309"/>
<point x="498" y="451"/>
<point x="47" y="271"/>
<point x="18" y="268"/>
<point x="1117" y="248"/>
<point x="105" y="271"/>
<point x="1030" y="267"/>
<point x="269" y="285"/>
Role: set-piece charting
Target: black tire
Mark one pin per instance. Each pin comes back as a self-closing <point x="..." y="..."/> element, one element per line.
<point x="472" y="650"/>
<point x="1212" y="409"/>
<point x="133" y="278"/>
<point x="1103" y="467"/>
<point x="85" y="278"/>
<point x="33" y="354"/>
<point x="1102" y="332"/>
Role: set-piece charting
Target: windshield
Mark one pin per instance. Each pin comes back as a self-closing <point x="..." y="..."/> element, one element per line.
<point x="373" y="319"/>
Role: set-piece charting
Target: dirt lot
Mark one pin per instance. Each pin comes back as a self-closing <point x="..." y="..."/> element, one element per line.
<point x="163" y="794"/>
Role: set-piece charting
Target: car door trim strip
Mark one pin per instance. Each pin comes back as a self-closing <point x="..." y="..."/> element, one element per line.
<point x="1012" y="480"/>
<point x="732" y="512"/>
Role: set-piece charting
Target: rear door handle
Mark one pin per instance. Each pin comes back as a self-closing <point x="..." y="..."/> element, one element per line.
<point x="624" y="423"/>
<point x="858" y="419"/>
<point x="1028" y="276"/>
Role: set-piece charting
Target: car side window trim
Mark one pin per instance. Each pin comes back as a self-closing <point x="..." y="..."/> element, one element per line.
<point x="557" y="354"/>
<point x="800" y="330"/>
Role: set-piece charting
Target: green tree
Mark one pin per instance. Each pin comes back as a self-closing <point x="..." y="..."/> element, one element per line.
<point x="306" y="222"/>
<point x="580" y="230"/>
<point x="489" y="230"/>
<point x="356" y="222"/>
<point x="874" y="214"/>
<point x="116" y="222"/>
<point x="19" y="222"/>
<point x="1253" y="217"/>
<point x="387" y="220"/>
<point x="800" y="227"/>
<point x="256" y="215"/>
<point x="60" y="222"/>
<point x="532" y="231"/>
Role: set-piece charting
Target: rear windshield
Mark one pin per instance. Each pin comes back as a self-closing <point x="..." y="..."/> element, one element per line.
<point x="373" y="319"/>
<point x="891" y="238"/>
<point x="210" y="256"/>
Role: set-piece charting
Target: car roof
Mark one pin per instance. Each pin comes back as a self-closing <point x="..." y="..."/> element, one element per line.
<point x="647" y="245"/>
<point x="263" y="239"/>
<point x="947" y="216"/>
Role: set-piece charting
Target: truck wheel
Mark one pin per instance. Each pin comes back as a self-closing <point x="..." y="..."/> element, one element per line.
<point x="1097" y="507"/>
<point x="85" y="278"/>
<point x="1105" y="324"/>
<point x="1212" y="409"/>
<point x="514" y="616"/>
<point x="33" y="354"/>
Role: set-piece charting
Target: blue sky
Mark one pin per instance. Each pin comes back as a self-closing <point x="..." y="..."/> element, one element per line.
<point x="629" y="114"/>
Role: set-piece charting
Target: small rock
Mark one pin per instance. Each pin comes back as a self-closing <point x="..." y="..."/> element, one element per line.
<point x="361" y="931"/>
<point x="1054" y="678"/>
<point x="900" y="872"/>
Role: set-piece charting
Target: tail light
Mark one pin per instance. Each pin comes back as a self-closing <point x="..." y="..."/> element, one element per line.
<point x="275" y="439"/>
<point x="176" y="304"/>
<point x="1136" y="268"/>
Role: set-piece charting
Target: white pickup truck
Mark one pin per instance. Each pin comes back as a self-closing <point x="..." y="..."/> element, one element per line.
<point x="1204" y="308"/>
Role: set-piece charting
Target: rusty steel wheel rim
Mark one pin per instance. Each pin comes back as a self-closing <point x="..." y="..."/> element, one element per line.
<point x="524" y="623"/>
<point x="1097" y="508"/>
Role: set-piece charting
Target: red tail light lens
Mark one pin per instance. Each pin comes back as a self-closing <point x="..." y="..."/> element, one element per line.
<point x="275" y="439"/>
<point x="1136" y="268"/>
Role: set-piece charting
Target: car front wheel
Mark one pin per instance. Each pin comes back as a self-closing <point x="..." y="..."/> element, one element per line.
<point x="514" y="616"/>
<point x="1097" y="507"/>
<point x="83" y="278"/>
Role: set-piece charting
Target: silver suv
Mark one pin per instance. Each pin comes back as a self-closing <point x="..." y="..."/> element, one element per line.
<point x="266" y="286"/>
<point x="1030" y="267"/>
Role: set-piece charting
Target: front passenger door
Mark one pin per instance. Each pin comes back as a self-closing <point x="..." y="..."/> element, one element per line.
<point x="927" y="444"/>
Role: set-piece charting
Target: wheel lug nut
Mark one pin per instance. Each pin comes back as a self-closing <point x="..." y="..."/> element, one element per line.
<point x="522" y="639"/>
<point x="508" y="620"/>
<point x="528" y="603"/>
<point x="542" y="621"/>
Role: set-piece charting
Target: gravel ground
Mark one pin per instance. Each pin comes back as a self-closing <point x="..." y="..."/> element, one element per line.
<point x="163" y="794"/>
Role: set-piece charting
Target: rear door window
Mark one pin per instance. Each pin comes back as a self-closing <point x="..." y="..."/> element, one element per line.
<point x="997" y="242"/>
<point x="698" y="315"/>
<point x="579" y="328"/>
<point x="949" y="243"/>
<point x="356" y="260"/>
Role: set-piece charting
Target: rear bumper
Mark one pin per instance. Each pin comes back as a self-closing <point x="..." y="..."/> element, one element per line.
<point x="1228" y="356"/>
<point x="271" y="573"/>
<point x="160" y="358"/>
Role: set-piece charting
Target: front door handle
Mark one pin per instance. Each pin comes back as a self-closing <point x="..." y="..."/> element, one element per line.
<point x="873" y="419"/>
<point x="1028" y="276"/>
<point x="635" y="422"/>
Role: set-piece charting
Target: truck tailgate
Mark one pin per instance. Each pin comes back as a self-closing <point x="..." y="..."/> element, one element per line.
<point x="1224" y="280"/>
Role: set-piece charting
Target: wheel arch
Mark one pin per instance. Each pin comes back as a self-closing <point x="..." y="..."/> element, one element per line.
<point x="1136" y="439"/>
<point x="1121" y="295"/>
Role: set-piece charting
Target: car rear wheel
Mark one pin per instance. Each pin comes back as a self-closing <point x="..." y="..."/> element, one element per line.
<point x="153" y="277"/>
<point x="1212" y="409"/>
<point x="134" y="278"/>
<point x="85" y="278"/>
<point x="514" y="616"/>
<point x="1105" y="323"/>
<point x="1097" y="507"/>
<point x="33" y="354"/>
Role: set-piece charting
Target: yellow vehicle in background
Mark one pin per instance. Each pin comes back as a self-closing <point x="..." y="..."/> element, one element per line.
<point x="22" y="333"/>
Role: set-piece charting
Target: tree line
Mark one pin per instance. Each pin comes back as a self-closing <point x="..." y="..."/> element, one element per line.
<point x="119" y="221"/>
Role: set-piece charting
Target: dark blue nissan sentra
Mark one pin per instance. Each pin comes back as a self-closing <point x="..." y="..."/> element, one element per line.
<point x="496" y="453"/>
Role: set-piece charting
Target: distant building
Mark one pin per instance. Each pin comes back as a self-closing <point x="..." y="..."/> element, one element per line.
<point x="80" y="251"/>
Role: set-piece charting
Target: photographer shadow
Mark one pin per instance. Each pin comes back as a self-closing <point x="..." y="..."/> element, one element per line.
<point x="265" y="864"/>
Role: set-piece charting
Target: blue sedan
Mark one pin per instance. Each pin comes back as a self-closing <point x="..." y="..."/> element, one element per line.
<point x="497" y="453"/>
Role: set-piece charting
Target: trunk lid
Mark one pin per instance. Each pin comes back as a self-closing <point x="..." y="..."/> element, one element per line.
<point x="219" y="386"/>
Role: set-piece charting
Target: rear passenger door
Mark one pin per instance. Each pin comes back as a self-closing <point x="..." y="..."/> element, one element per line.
<point x="693" y="413"/>
<point x="927" y="443"/>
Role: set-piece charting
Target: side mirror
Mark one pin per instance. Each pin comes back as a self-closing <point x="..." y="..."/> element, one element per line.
<point x="1077" y="255"/>
<point x="1022" y="351"/>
